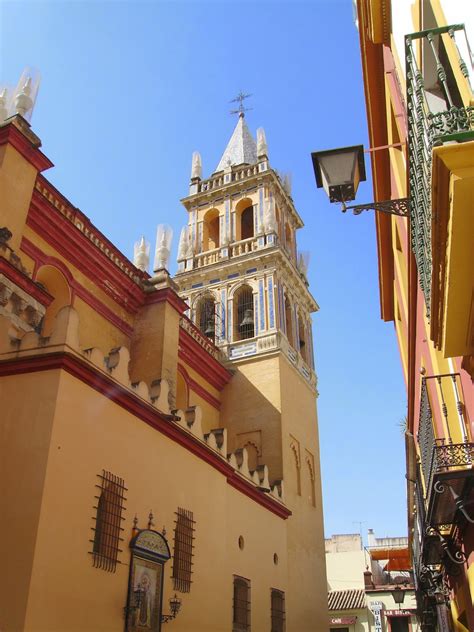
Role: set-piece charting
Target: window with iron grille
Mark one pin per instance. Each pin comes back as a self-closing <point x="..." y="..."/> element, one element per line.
<point x="183" y="550"/>
<point x="241" y="605"/>
<point x="278" y="610"/>
<point x="108" y="521"/>
<point x="244" y="316"/>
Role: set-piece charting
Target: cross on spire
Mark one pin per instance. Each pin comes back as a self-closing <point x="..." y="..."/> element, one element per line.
<point x="240" y="100"/>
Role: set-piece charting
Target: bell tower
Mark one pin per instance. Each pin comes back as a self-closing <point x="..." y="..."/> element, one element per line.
<point x="245" y="284"/>
<point x="238" y="264"/>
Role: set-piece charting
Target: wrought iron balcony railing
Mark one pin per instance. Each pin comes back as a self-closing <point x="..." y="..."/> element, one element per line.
<point x="441" y="456"/>
<point x="427" y="128"/>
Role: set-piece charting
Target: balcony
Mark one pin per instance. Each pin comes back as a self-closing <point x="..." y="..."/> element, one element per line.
<point x="441" y="180"/>
<point x="447" y="453"/>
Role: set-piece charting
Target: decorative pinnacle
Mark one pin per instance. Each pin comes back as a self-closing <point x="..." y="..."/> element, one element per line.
<point x="240" y="100"/>
<point x="135" y="522"/>
<point x="150" y="520"/>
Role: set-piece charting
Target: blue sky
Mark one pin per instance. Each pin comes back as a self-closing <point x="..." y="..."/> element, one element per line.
<point x="130" y="89"/>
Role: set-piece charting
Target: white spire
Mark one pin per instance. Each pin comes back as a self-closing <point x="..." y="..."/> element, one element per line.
<point x="241" y="148"/>
<point x="262" y="148"/>
<point x="141" y="254"/>
<point x="164" y="235"/>
<point x="196" y="169"/>
<point x="3" y="105"/>
<point x="185" y="248"/>
<point x="24" y="98"/>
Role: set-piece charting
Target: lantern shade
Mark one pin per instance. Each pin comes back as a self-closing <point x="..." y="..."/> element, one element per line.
<point x="339" y="171"/>
<point x="398" y="595"/>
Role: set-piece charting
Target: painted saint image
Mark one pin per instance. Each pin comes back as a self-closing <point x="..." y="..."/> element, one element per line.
<point x="145" y="581"/>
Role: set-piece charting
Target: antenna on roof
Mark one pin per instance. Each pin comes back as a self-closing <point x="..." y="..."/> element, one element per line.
<point x="240" y="100"/>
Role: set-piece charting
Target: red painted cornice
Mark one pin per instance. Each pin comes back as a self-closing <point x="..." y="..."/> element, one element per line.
<point x="82" y="253"/>
<point x="161" y="422"/>
<point x="12" y="135"/>
<point x="168" y="295"/>
<point x="191" y="352"/>
<point x="198" y="389"/>
<point x="25" y="283"/>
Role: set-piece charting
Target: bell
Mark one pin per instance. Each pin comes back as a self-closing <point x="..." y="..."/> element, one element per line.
<point x="210" y="328"/>
<point x="248" y="318"/>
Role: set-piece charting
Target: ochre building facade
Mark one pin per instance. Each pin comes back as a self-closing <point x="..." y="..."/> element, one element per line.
<point x="159" y="435"/>
<point x="418" y="81"/>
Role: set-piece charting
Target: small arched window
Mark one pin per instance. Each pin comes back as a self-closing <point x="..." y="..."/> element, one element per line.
<point x="246" y="224"/>
<point x="182" y="392"/>
<point x="302" y="346"/>
<point x="211" y="230"/>
<point x="206" y="316"/>
<point x="54" y="281"/>
<point x="244" y="326"/>
<point x="288" y="321"/>
<point x="244" y="216"/>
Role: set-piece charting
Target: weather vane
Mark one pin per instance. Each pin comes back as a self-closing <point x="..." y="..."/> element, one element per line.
<point x="240" y="100"/>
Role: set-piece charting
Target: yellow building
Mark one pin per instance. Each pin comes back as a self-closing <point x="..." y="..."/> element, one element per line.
<point x="159" y="436"/>
<point x="418" y="78"/>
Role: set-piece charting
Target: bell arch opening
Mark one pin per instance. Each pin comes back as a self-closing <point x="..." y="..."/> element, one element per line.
<point x="244" y="325"/>
<point x="206" y="316"/>
<point x="245" y="228"/>
<point x="211" y="230"/>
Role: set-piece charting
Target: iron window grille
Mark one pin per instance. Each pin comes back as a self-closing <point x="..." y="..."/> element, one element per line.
<point x="241" y="605"/>
<point x="245" y="327"/>
<point x="183" y="550"/>
<point x="108" y="521"/>
<point x="278" y="610"/>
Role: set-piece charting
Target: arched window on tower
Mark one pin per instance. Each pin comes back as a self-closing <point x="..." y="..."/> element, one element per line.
<point x="243" y="314"/>
<point x="302" y="345"/>
<point x="288" y="321"/>
<point x="246" y="223"/>
<point x="206" y="316"/>
<point x="288" y="239"/>
<point x="244" y="220"/>
<point x="211" y="230"/>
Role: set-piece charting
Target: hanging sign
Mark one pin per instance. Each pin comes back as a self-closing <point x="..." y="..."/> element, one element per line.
<point x="376" y="608"/>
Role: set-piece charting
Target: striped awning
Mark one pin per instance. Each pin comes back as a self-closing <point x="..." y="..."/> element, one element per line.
<point x="351" y="599"/>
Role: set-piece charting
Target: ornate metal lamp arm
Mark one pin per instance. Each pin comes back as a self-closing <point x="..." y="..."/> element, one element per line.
<point x="398" y="207"/>
<point x="460" y="504"/>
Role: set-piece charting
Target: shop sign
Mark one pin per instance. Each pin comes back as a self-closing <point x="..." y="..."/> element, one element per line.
<point x="376" y="608"/>
<point x="342" y="620"/>
<point x="399" y="613"/>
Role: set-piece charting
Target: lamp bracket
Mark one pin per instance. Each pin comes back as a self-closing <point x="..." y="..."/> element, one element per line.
<point x="440" y="487"/>
<point x="398" y="207"/>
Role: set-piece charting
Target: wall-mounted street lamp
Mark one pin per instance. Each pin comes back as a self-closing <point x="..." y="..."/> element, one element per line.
<point x="175" y="606"/>
<point x="398" y="595"/>
<point x="339" y="172"/>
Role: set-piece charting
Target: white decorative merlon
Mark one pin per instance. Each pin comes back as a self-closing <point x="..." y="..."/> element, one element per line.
<point x="262" y="148"/>
<point x="141" y="254"/>
<point x="164" y="235"/>
<point x="196" y="167"/>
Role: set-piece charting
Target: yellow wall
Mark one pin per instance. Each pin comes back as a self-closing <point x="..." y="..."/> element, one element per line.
<point x="159" y="475"/>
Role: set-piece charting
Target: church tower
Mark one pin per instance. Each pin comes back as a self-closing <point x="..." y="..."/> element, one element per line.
<point x="245" y="283"/>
